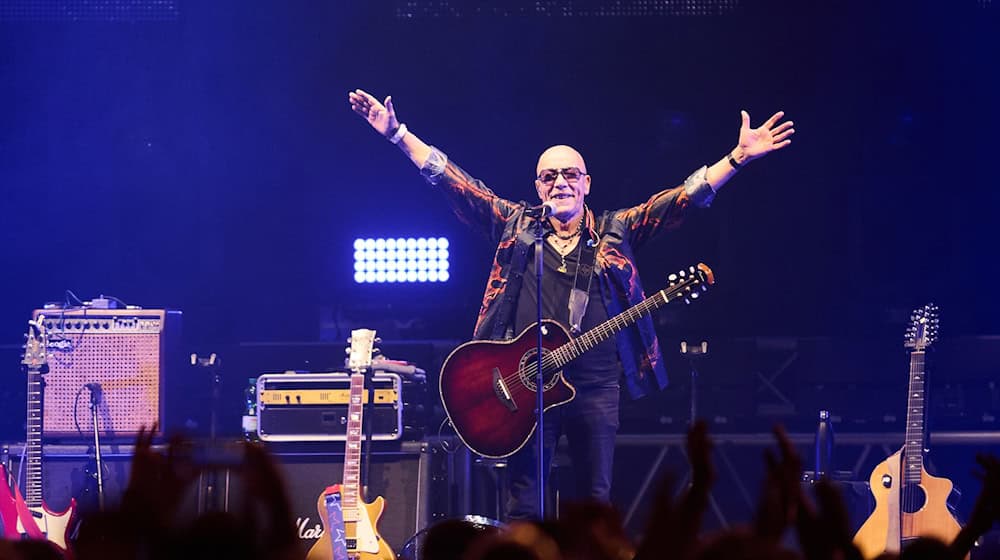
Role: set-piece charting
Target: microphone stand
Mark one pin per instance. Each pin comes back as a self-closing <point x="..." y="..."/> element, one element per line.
<point x="539" y="377"/>
<point x="95" y="399"/>
<point x="694" y="353"/>
<point x="211" y="481"/>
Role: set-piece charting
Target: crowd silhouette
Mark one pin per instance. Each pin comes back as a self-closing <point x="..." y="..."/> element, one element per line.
<point x="148" y="523"/>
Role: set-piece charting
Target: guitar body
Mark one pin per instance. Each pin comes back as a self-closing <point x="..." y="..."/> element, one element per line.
<point x="8" y="509"/>
<point x="54" y="526"/>
<point x="368" y="543"/>
<point x="23" y="522"/>
<point x="488" y="389"/>
<point x="891" y="525"/>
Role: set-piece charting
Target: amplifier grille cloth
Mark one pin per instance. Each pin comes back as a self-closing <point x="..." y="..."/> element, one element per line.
<point x="127" y="365"/>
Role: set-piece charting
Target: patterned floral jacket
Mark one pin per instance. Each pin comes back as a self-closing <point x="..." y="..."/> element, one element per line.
<point x="620" y="233"/>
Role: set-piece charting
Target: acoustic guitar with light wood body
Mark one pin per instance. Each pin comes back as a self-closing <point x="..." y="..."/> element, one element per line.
<point x="909" y="503"/>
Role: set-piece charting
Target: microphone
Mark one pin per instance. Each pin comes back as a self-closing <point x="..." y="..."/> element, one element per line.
<point x="541" y="211"/>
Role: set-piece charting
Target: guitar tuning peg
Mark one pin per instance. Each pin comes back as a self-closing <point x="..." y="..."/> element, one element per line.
<point x="672" y="278"/>
<point x="378" y="340"/>
<point x="681" y="273"/>
<point x="694" y="295"/>
<point x="347" y="351"/>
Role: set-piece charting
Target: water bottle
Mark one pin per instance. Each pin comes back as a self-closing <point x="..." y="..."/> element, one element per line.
<point x="824" y="445"/>
<point x="250" y="410"/>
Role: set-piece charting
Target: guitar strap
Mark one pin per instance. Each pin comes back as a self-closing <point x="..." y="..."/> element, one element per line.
<point x="579" y="296"/>
<point x="504" y="326"/>
<point x="335" y="522"/>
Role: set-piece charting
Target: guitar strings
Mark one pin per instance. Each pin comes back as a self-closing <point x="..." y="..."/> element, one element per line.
<point x="612" y="325"/>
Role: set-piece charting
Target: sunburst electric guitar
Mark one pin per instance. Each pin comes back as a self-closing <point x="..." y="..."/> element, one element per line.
<point x="909" y="503"/>
<point x="28" y="517"/>
<point x="350" y="526"/>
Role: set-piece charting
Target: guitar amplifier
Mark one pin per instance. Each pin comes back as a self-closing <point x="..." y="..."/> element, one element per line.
<point x="313" y="407"/>
<point x="126" y="352"/>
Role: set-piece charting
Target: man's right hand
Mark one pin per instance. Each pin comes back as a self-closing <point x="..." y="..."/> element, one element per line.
<point x="382" y="117"/>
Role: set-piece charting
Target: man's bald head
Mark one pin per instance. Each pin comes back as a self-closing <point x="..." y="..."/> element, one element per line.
<point x="560" y="157"/>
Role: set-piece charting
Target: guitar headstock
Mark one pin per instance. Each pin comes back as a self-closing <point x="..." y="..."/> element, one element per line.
<point x="688" y="283"/>
<point x="362" y="343"/>
<point x="36" y="345"/>
<point x="923" y="329"/>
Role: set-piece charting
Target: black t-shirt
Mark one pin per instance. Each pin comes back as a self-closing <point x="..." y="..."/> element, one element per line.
<point x="600" y="367"/>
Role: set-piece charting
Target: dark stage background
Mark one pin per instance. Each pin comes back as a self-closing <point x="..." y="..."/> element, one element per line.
<point x="203" y="157"/>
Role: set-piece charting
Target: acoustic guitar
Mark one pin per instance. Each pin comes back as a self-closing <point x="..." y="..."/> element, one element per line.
<point x="350" y="526"/>
<point x="488" y="387"/>
<point x="909" y="503"/>
<point x="28" y="516"/>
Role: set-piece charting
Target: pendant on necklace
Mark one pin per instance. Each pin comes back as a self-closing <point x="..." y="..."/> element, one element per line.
<point x="562" y="267"/>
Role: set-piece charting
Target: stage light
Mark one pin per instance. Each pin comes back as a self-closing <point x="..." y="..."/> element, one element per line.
<point x="410" y="259"/>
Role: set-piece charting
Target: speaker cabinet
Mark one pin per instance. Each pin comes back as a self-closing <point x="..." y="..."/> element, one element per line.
<point x="413" y="477"/>
<point x="407" y="475"/>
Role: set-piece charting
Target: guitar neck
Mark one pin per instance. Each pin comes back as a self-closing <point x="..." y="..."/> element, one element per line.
<point x="33" y="452"/>
<point x="588" y="340"/>
<point x="913" y="448"/>
<point x="351" y="488"/>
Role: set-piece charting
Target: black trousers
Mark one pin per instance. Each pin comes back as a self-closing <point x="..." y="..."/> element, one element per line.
<point x="590" y="422"/>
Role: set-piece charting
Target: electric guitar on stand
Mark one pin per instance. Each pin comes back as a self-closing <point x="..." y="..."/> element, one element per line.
<point x="28" y="517"/>
<point x="349" y="524"/>
<point x="488" y="386"/>
<point x="909" y="503"/>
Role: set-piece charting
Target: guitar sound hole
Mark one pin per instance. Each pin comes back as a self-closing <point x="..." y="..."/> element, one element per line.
<point x="912" y="498"/>
<point x="528" y="366"/>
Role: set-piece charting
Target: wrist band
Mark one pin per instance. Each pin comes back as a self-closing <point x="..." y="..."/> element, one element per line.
<point x="732" y="162"/>
<point x="398" y="135"/>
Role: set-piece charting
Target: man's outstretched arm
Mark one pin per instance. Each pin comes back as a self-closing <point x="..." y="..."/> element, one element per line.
<point x="472" y="201"/>
<point x="753" y="143"/>
<point x="382" y="118"/>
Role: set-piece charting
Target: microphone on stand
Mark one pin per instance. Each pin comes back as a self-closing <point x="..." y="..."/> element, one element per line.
<point x="541" y="211"/>
<point x="95" y="391"/>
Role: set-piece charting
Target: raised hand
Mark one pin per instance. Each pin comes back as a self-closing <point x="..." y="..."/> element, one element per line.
<point x="381" y="116"/>
<point x="158" y="480"/>
<point x="781" y="495"/>
<point x="768" y="137"/>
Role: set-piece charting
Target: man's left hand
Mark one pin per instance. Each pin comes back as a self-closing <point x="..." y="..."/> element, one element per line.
<point x="768" y="137"/>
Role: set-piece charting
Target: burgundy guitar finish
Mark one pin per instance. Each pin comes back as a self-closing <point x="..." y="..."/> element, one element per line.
<point x="488" y="387"/>
<point x="489" y="422"/>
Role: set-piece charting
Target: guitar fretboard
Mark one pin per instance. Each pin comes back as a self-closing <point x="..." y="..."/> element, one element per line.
<point x="33" y="453"/>
<point x="573" y="349"/>
<point x="350" y="488"/>
<point x="913" y="447"/>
